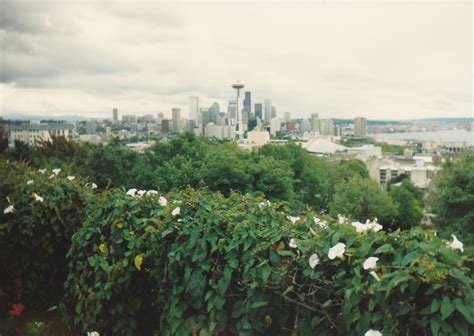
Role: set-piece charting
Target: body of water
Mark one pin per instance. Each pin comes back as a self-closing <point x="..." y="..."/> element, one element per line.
<point x="441" y="136"/>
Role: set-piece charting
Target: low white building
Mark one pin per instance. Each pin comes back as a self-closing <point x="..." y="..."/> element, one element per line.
<point x="255" y="139"/>
<point x="419" y="173"/>
<point x="34" y="133"/>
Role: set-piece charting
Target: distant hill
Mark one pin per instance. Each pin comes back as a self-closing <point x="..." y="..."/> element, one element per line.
<point x="67" y="117"/>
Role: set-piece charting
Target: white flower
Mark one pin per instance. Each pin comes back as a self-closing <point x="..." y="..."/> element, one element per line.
<point x="42" y="171"/>
<point x="93" y="333"/>
<point x="264" y="203"/>
<point x="320" y="222"/>
<point x="292" y="219"/>
<point x="373" y="333"/>
<point x="9" y="209"/>
<point x="292" y="243"/>
<point x="176" y="211"/>
<point x="375" y="275"/>
<point x="29" y="182"/>
<point x="341" y="219"/>
<point x="37" y="197"/>
<point x="456" y="244"/>
<point x="93" y="185"/>
<point x="361" y="228"/>
<point x="71" y="178"/>
<point x="163" y="201"/>
<point x="56" y="171"/>
<point x="313" y="260"/>
<point x="141" y="192"/>
<point x="337" y="251"/>
<point x="152" y="192"/>
<point x="132" y="192"/>
<point x="370" y="263"/>
<point x="52" y="175"/>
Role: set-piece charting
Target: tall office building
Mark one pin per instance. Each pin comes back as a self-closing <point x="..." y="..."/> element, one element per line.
<point x="248" y="102"/>
<point x="267" y="115"/>
<point x="115" y="115"/>
<point x="259" y="111"/>
<point x="176" y="119"/>
<point x="232" y="108"/>
<point x="287" y="116"/>
<point x="315" y="127"/>
<point x="193" y="108"/>
<point x="274" y="112"/>
<point x="360" y="127"/>
<point x="326" y="127"/>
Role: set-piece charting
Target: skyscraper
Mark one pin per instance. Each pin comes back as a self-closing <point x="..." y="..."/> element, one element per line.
<point x="315" y="126"/>
<point x="248" y="102"/>
<point x="267" y="104"/>
<point x="259" y="111"/>
<point x="274" y="112"/>
<point x="176" y="119"/>
<point x="115" y="115"/>
<point x="232" y="108"/>
<point x="326" y="127"/>
<point x="193" y="108"/>
<point x="360" y="127"/>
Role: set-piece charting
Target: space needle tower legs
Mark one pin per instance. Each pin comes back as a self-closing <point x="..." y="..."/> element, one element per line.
<point x="239" y="132"/>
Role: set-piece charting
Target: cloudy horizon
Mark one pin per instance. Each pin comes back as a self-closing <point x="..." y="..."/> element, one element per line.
<point x="390" y="60"/>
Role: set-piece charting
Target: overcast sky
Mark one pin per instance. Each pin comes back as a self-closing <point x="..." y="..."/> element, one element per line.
<point x="341" y="59"/>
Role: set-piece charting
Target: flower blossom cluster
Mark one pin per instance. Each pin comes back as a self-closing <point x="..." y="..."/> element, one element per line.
<point x="368" y="226"/>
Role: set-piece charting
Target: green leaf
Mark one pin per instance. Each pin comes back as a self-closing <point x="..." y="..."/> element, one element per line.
<point x="467" y="312"/>
<point x="259" y="304"/>
<point x="384" y="248"/>
<point x="435" y="306"/>
<point x="435" y="325"/>
<point x="447" y="308"/>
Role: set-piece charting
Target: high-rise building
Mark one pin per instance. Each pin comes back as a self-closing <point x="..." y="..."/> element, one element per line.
<point x="274" y="112"/>
<point x="115" y="115"/>
<point x="360" y="127"/>
<point x="259" y="111"/>
<point x="326" y="127"/>
<point x="205" y="118"/>
<point x="315" y="125"/>
<point x="160" y="118"/>
<point x="176" y="119"/>
<point x="232" y="109"/>
<point x="275" y="126"/>
<point x="165" y="126"/>
<point x="248" y="102"/>
<point x="287" y="116"/>
<point x="193" y="108"/>
<point x="267" y="116"/>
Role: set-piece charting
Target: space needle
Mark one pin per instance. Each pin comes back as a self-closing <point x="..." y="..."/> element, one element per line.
<point x="239" y="132"/>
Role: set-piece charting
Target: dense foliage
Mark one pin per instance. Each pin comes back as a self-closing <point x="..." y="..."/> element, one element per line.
<point x="231" y="242"/>
<point x="239" y="265"/>
<point x="452" y="198"/>
<point x="40" y="213"/>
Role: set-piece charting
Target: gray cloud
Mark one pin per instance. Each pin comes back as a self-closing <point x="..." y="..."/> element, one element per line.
<point x="382" y="60"/>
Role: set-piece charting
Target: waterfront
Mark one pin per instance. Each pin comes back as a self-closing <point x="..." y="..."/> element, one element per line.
<point x="446" y="136"/>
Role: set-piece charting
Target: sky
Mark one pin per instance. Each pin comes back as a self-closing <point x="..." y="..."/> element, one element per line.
<point x="340" y="59"/>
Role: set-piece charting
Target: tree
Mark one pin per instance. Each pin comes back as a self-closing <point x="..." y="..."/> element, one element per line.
<point x="408" y="203"/>
<point x="452" y="200"/>
<point x="363" y="199"/>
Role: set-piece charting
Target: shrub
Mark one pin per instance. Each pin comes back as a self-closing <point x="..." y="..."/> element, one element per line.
<point x="239" y="265"/>
<point x="35" y="234"/>
<point x="109" y="283"/>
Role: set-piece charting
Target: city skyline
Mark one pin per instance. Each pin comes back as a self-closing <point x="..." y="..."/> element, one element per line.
<point x="341" y="60"/>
